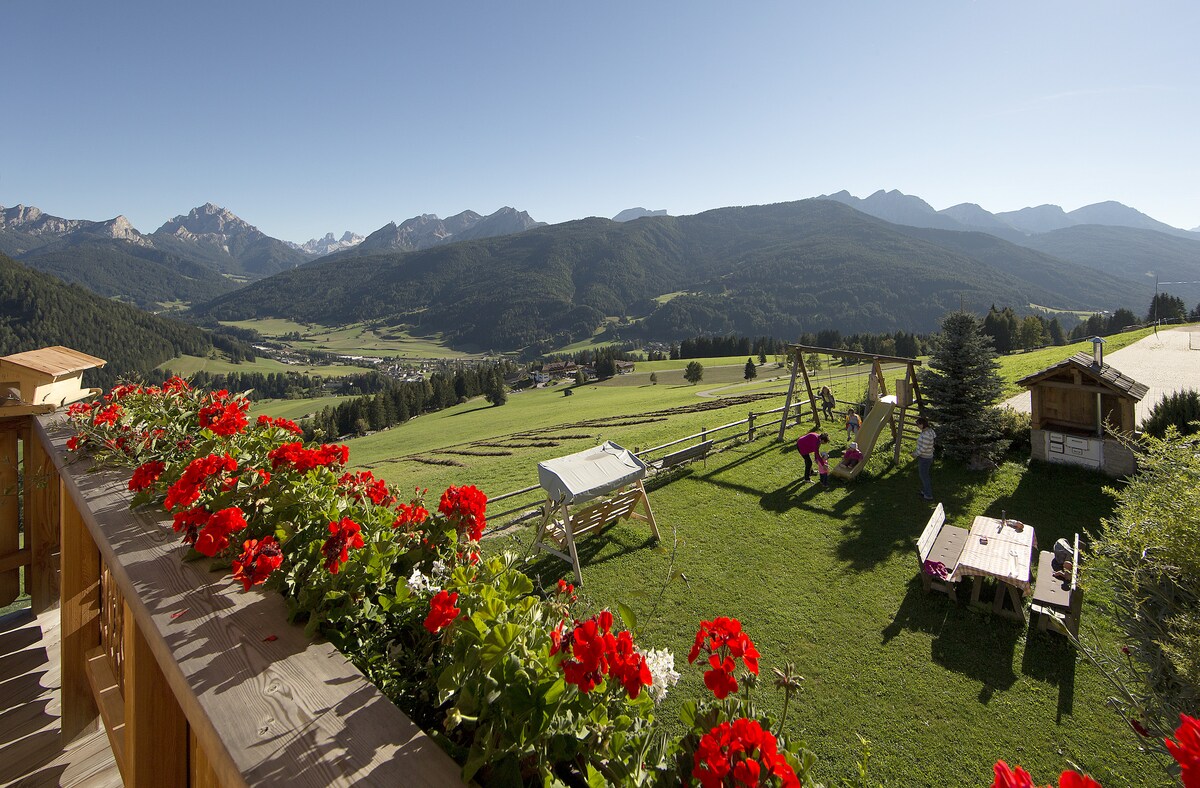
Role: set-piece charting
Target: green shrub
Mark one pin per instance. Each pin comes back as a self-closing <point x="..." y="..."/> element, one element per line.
<point x="1181" y="410"/>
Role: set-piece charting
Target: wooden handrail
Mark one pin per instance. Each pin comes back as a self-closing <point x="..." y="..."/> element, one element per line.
<point x="212" y="675"/>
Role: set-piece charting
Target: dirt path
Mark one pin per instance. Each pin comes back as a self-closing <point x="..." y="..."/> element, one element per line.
<point x="1166" y="363"/>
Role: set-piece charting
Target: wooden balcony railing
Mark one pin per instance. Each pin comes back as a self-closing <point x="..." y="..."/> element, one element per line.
<point x="195" y="681"/>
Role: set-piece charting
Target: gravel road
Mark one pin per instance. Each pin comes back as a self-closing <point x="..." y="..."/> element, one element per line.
<point x="1166" y="363"/>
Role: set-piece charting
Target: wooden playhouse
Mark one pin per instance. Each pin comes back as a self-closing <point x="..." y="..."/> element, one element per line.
<point x="1082" y="411"/>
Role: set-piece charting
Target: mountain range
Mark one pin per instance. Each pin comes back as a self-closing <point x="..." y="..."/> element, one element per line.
<point x="772" y="269"/>
<point x="885" y="262"/>
<point x="209" y="251"/>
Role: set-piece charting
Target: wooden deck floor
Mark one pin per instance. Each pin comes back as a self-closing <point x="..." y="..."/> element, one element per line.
<point x="30" y="751"/>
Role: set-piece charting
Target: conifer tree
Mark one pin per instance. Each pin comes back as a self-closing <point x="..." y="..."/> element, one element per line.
<point x="962" y="386"/>
<point x="751" y="372"/>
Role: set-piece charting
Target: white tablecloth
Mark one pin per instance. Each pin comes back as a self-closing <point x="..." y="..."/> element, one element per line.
<point x="1006" y="556"/>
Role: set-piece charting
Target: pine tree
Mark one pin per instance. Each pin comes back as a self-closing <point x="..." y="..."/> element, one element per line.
<point x="962" y="385"/>
<point x="751" y="372"/>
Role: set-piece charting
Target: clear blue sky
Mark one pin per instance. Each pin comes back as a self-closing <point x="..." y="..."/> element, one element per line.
<point x="304" y="118"/>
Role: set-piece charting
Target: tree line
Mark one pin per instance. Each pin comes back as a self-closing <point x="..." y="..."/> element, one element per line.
<point x="398" y="401"/>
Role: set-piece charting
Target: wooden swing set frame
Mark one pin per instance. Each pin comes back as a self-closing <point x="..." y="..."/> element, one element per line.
<point x="908" y="388"/>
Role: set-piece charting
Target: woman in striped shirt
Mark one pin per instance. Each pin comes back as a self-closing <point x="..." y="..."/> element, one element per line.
<point x="924" y="455"/>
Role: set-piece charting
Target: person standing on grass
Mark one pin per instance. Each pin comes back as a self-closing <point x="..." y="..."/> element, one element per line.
<point x="808" y="445"/>
<point x="924" y="455"/>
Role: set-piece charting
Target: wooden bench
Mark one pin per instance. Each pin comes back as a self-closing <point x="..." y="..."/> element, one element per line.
<point x="1058" y="602"/>
<point x="940" y="544"/>
<point x="696" y="452"/>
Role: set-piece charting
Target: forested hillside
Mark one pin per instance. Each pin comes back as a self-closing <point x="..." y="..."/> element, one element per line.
<point x="37" y="310"/>
<point x="115" y="269"/>
<point x="762" y="270"/>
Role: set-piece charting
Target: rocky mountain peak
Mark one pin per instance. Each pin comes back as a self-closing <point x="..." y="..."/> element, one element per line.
<point x="629" y="214"/>
<point x="209" y="220"/>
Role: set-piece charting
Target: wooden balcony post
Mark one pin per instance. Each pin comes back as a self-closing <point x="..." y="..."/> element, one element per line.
<point x="10" y="510"/>
<point x="80" y="615"/>
<point x="156" y="732"/>
<point x="41" y="524"/>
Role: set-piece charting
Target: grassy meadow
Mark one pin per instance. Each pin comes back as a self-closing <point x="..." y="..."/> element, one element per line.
<point x="355" y="339"/>
<point x="824" y="579"/>
<point x="190" y="365"/>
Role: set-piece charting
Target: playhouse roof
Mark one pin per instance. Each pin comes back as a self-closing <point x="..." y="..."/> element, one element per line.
<point x="1104" y="374"/>
<point x="54" y="361"/>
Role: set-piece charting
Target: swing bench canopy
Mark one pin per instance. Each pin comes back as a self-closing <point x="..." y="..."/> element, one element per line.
<point x="589" y="474"/>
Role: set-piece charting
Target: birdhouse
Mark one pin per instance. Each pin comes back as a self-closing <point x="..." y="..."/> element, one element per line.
<point x="38" y="381"/>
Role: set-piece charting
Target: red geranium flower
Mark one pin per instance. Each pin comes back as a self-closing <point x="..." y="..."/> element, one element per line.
<point x="259" y="558"/>
<point x="1186" y="751"/>
<point x="77" y="410"/>
<point x="196" y="477"/>
<point x="743" y="750"/>
<point x="286" y="425"/>
<point x="214" y="537"/>
<point x="302" y="459"/>
<point x="410" y="515"/>
<point x="724" y="642"/>
<point x="442" y="610"/>
<point x="1071" y="779"/>
<point x="74" y="442"/>
<point x="224" y="416"/>
<point x="190" y="522"/>
<point x="176" y="384"/>
<point x="465" y="507"/>
<point x="593" y="652"/>
<point x="364" y="485"/>
<point x="1007" y="778"/>
<point x="108" y="415"/>
<point x="145" y="475"/>
<point x="343" y="535"/>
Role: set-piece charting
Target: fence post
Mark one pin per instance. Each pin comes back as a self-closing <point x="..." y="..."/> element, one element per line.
<point x="80" y="613"/>
<point x="750" y="428"/>
<point x="10" y="512"/>
<point x="703" y="434"/>
<point x="42" y="531"/>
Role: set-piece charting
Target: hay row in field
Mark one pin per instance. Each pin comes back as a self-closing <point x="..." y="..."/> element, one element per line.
<point x="434" y="460"/>
<point x="469" y="453"/>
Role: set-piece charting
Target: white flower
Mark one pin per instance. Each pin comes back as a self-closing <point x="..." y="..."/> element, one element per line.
<point x="418" y="582"/>
<point x="439" y="571"/>
<point x="663" y="675"/>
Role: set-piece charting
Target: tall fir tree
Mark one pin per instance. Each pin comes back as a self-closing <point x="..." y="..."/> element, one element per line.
<point x="962" y="385"/>
<point x="750" y="372"/>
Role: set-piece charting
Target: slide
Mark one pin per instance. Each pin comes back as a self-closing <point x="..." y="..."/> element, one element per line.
<point x="868" y="433"/>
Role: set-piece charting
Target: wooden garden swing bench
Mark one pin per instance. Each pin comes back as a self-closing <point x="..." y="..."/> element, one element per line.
<point x="609" y="473"/>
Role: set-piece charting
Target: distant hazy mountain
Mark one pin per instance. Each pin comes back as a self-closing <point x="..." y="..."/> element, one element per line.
<point x="426" y="230"/>
<point x="973" y="217"/>
<point x="1129" y="252"/>
<point x="897" y="208"/>
<point x="319" y="247"/>
<point x="760" y="270"/>
<point x="230" y="245"/>
<point x="629" y="214"/>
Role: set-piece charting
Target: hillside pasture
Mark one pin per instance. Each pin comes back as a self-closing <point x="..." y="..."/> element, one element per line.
<point x="218" y="365"/>
<point x="354" y="339"/>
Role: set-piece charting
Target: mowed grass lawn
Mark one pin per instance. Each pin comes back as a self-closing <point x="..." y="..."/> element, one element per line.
<point x="827" y="580"/>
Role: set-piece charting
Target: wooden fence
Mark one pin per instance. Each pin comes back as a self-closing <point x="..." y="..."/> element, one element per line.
<point x="196" y="682"/>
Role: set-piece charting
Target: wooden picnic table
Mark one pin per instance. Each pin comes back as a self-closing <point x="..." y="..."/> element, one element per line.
<point x="999" y="551"/>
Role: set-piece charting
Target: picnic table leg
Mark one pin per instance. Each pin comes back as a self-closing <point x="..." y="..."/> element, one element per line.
<point x="976" y="587"/>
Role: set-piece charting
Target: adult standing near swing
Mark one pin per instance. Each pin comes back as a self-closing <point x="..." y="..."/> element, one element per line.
<point x="924" y="455"/>
<point x="808" y="445"/>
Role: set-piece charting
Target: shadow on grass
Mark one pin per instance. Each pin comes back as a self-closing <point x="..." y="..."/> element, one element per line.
<point x="593" y="549"/>
<point x="472" y="410"/>
<point x="1077" y="503"/>
<point x="1051" y="658"/>
<point x="971" y="643"/>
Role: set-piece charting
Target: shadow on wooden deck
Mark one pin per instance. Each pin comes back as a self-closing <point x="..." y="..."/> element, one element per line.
<point x="31" y="753"/>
